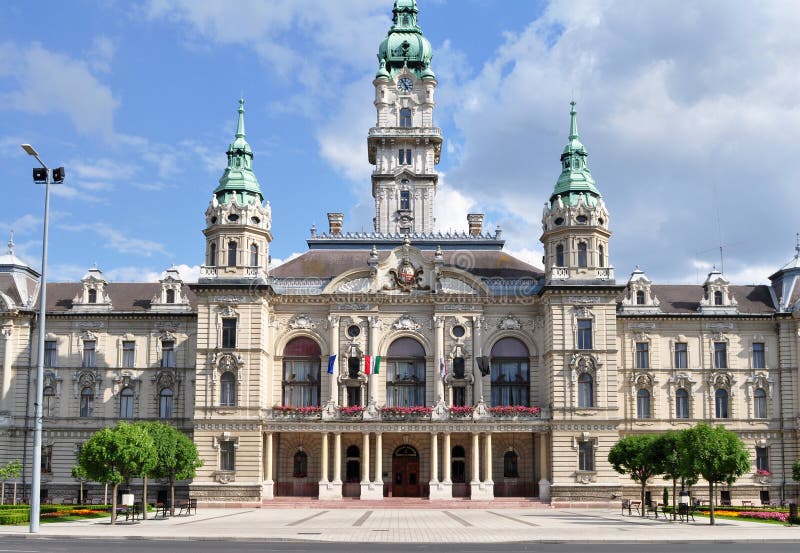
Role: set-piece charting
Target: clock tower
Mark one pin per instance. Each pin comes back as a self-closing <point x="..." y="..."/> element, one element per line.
<point x="404" y="145"/>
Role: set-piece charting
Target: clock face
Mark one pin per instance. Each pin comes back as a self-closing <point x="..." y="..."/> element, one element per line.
<point x="405" y="84"/>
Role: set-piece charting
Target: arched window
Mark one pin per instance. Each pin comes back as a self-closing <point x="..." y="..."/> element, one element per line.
<point x="92" y="296"/>
<point x="170" y="296"/>
<point x="582" y="260"/>
<point x="227" y="389"/>
<point x="405" y="117"/>
<point x="640" y="297"/>
<point x="405" y="373"/>
<point x="458" y="465"/>
<point x="231" y="254"/>
<point x="212" y="255"/>
<point x="510" y="374"/>
<point x="87" y="402"/>
<point x="301" y="380"/>
<point x="760" y="403"/>
<point x="353" y="464"/>
<point x="681" y="403"/>
<point x="510" y="464"/>
<point x="721" y="403"/>
<point x="559" y="255"/>
<point x="643" y="404"/>
<point x="585" y="390"/>
<point x="126" y="404"/>
<point x="165" y="403"/>
<point x="253" y="255"/>
<point x="601" y="256"/>
<point x="717" y="298"/>
<point x="300" y="465"/>
<point x="48" y="401"/>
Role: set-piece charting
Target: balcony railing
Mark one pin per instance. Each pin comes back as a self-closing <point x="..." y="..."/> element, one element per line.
<point x="405" y="131"/>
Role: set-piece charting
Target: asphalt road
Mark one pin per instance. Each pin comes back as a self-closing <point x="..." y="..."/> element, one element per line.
<point x="53" y="545"/>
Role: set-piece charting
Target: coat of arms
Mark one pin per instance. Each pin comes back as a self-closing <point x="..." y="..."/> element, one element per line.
<point x="406" y="276"/>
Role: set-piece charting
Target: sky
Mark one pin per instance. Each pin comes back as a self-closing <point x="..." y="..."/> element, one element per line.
<point x="688" y="110"/>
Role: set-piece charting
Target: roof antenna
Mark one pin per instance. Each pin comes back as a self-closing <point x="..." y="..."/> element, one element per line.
<point x="719" y="230"/>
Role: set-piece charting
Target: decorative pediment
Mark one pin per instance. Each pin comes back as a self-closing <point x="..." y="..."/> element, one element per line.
<point x="93" y="295"/>
<point x="405" y="270"/>
<point x="450" y="285"/>
<point x="171" y="296"/>
<point x="303" y="322"/>
<point x="405" y="322"/>
<point x="360" y="285"/>
<point x="717" y="380"/>
<point x="583" y="363"/>
<point x="509" y="322"/>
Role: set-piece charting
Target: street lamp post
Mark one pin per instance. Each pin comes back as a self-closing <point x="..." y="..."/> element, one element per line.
<point x="36" y="476"/>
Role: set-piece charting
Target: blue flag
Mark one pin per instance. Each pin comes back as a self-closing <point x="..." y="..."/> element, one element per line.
<point x="331" y="362"/>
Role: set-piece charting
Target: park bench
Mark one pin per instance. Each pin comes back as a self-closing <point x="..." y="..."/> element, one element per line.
<point x="652" y="507"/>
<point x="630" y="504"/>
<point x="187" y="506"/>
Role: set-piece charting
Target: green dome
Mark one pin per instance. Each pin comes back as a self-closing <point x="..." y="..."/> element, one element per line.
<point x="238" y="182"/>
<point x="405" y="44"/>
<point x="575" y="178"/>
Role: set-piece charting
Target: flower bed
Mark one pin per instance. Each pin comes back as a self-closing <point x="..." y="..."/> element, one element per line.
<point x="515" y="411"/>
<point x="772" y="515"/>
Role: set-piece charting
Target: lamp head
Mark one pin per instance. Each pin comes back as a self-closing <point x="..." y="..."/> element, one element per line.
<point x="29" y="149"/>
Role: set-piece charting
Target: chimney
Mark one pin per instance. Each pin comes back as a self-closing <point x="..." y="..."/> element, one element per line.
<point x="475" y="221"/>
<point x="335" y="221"/>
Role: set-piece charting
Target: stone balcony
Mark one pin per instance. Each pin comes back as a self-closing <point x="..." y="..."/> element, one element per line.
<point x="601" y="274"/>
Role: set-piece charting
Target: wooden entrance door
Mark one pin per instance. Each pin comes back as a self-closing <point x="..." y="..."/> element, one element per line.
<point x="405" y="472"/>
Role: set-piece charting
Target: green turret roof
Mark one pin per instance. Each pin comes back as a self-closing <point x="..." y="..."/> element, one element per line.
<point x="405" y="45"/>
<point x="238" y="181"/>
<point x="575" y="176"/>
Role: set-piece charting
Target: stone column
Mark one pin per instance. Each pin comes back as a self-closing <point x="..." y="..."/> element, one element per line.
<point x="325" y="460"/>
<point x="438" y="354"/>
<point x="487" y="460"/>
<point x="477" y="351"/>
<point x="334" y="342"/>
<point x="379" y="461"/>
<point x="369" y="489"/>
<point x="365" y="459"/>
<point x="447" y="462"/>
<point x="373" y="351"/>
<point x="6" y="401"/>
<point x="434" y="458"/>
<point x="476" y="459"/>
<point x="439" y="489"/>
<point x="268" y="487"/>
<point x="481" y="491"/>
<point x="327" y="489"/>
<point x="337" y="458"/>
<point x="544" y="468"/>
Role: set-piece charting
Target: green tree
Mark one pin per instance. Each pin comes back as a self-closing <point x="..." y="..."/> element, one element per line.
<point x="12" y="471"/>
<point x="796" y="471"/>
<point x="636" y="456"/>
<point x="177" y="457"/>
<point x="79" y="474"/>
<point x="115" y="455"/>
<point x="716" y="454"/>
<point x="674" y="463"/>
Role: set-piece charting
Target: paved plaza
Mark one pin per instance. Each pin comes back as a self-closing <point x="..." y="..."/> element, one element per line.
<point x="421" y="526"/>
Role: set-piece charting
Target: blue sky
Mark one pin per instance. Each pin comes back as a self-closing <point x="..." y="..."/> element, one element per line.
<point x="686" y="110"/>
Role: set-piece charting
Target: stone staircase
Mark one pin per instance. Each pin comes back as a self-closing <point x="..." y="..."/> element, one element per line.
<point x="404" y="503"/>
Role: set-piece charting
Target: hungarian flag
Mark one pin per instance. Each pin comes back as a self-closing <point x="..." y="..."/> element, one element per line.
<point x="377" y="368"/>
<point x="331" y="363"/>
<point x="367" y="364"/>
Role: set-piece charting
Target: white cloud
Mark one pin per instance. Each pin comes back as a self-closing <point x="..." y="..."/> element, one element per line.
<point x="117" y="240"/>
<point x="277" y="262"/>
<point x="23" y="225"/>
<point x="131" y="274"/>
<point x="189" y="273"/>
<point x="52" y="82"/>
<point x="101" y="54"/>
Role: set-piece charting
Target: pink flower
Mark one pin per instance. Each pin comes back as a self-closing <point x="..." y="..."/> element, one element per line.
<point x="510" y="410"/>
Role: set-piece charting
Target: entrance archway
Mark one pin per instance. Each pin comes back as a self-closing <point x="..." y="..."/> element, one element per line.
<point x="405" y="472"/>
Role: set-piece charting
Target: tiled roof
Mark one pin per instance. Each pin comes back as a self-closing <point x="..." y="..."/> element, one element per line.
<point x="125" y="296"/>
<point x="331" y="263"/>
<point x="685" y="298"/>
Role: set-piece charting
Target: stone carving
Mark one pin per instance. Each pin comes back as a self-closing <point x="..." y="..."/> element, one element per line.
<point x="406" y="277"/>
<point x="302" y="322"/>
<point x="509" y="323"/>
<point x="356" y="286"/>
<point x="456" y="286"/>
<point x="405" y="322"/>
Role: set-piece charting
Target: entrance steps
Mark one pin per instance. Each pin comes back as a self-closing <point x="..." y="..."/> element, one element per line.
<point x="405" y="503"/>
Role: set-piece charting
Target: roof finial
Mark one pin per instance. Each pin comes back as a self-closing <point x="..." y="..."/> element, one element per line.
<point x="11" y="243"/>
<point x="240" y="126"/>
<point x="796" y="244"/>
<point x="573" y="121"/>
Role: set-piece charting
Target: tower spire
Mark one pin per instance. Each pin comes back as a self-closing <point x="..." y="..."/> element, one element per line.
<point x="240" y="125"/>
<point x="575" y="180"/>
<point x="573" y="121"/>
<point x="11" y="243"/>
<point x="238" y="182"/>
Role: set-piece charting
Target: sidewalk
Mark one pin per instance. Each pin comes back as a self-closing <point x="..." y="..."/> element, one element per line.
<point x="420" y="526"/>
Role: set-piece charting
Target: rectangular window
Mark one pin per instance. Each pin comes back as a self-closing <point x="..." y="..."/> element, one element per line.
<point x="405" y="200"/>
<point x="47" y="459"/>
<point x="404" y="156"/>
<point x="459" y="396"/>
<point x="228" y="333"/>
<point x="681" y="355"/>
<point x="586" y="456"/>
<point x="128" y="348"/>
<point x="720" y="355"/>
<point x="88" y="353"/>
<point x="50" y="353"/>
<point x="227" y="459"/>
<point x="168" y="354"/>
<point x="759" y="359"/>
<point x="642" y="355"/>
<point x="762" y="459"/>
<point x="584" y="334"/>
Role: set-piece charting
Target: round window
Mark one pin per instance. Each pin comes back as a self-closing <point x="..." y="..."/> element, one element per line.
<point x="353" y="330"/>
<point x="559" y="221"/>
<point x="459" y="331"/>
<point x="255" y="220"/>
<point x="233" y="217"/>
<point x="213" y="220"/>
<point x="600" y="221"/>
<point x="582" y="219"/>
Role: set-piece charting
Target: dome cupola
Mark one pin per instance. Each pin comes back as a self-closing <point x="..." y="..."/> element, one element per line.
<point x="405" y="45"/>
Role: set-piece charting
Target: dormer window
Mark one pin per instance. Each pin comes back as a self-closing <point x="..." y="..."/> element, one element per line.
<point x="640" y="297"/>
<point x="717" y="298"/>
<point x="170" y="296"/>
<point x="92" y="296"/>
<point x="405" y="200"/>
<point x="405" y="117"/>
<point x="231" y="254"/>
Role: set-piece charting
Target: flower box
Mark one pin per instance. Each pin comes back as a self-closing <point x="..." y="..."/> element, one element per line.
<point x="297" y="413"/>
<point x="352" y="413"/>
<point x="461" y="412"/>
<point x="406" y="413"/>
<point x="515" y="412"/>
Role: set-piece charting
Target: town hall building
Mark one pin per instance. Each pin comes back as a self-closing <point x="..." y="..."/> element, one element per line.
<point x="404" y="362"/>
